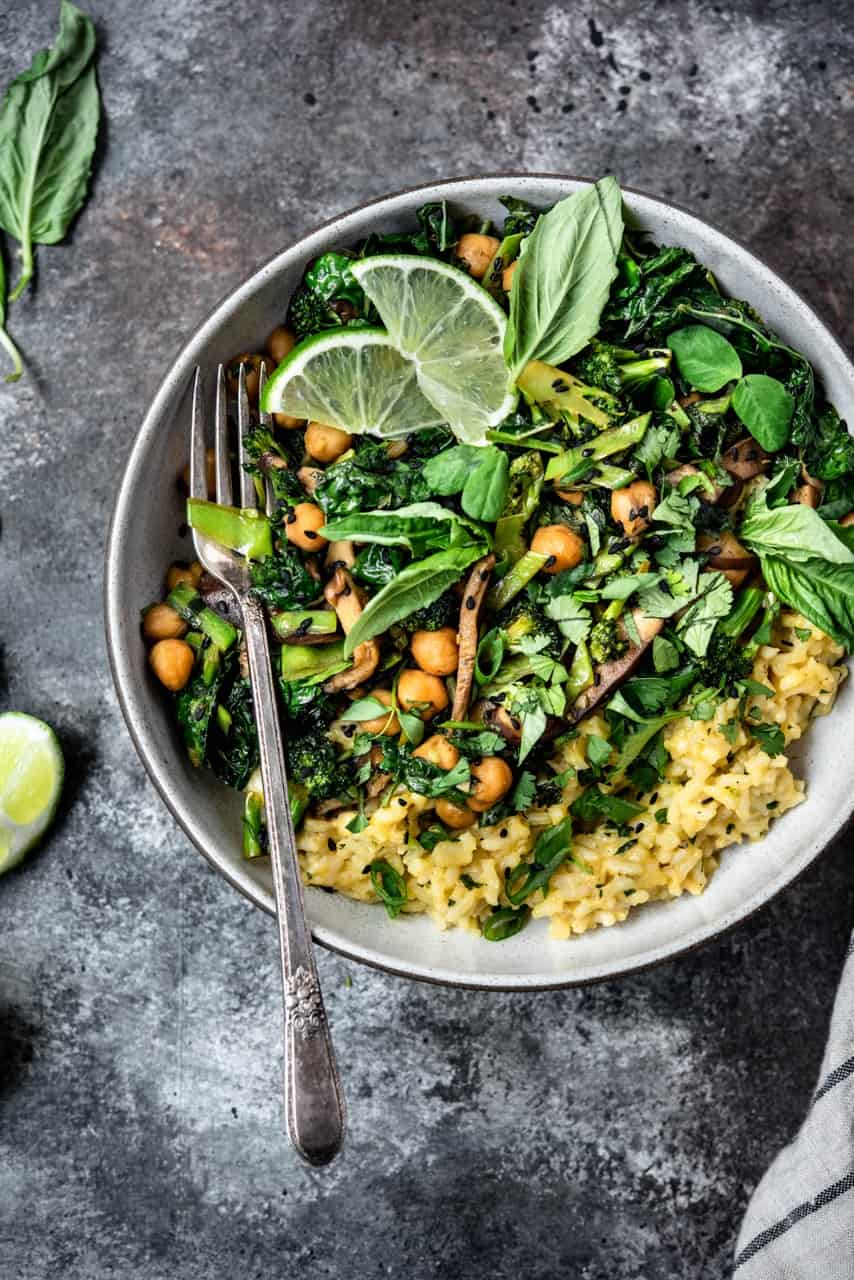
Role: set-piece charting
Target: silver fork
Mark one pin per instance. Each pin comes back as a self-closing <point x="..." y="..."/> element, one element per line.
<point x="314" y="1102"/>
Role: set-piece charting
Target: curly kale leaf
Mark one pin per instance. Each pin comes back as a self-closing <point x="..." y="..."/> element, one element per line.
<point x="283" y="580"/>
<point x="233" y="754"/>
<point x="369" y="481"/>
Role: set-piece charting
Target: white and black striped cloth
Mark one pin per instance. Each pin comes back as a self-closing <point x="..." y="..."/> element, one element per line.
<point x="799" y="1224"/>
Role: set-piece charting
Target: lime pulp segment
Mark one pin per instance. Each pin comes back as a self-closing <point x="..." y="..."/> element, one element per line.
<point x="353" y="379"/>
<point x="31" y="776"/>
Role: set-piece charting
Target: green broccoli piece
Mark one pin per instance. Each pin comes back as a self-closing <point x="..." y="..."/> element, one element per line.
<point x="726" y="662"/>
<point x="618" y="369"/>
<point x="266" y="455"/>
<point x="606" y="641"/>
<point x="444" y="612"/>
<point x="313" y="761"/>
<point x="522" y="620"/>
<point x="327" y="298"/>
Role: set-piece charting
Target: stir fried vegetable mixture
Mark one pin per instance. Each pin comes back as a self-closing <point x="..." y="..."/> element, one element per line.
<point x="523" y="471"/>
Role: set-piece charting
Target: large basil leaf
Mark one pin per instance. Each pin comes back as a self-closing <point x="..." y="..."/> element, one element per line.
<point x="48" y="126"/>
<point x="423" y="526"/>
<point x="822" y="592"/>
<point x="794" y="531"/>
<point x="416" y="586"/>
<point x="565" y="271"/>
<point x="765" y="407"/>
<point x="706" y="359"/>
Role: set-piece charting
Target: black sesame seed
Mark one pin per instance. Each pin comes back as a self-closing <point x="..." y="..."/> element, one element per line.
<point x="291" y="517"/>
<point x="331" y="845"/>
<point x="402" y="802"/>
<point x="503" y="833"/>
<point x="309" y="533"/>
<point x="550" y="563"/>
<point x="471" y="603"/>
<point x="587" y="453"/>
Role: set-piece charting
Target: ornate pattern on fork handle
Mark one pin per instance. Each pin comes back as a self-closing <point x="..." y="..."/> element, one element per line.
<point x="304" y="1003"/>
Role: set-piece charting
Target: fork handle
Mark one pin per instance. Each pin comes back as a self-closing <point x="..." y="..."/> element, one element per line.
<point x="314" y="1101"/>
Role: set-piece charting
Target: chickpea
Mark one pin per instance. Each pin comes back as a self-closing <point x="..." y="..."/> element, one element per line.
<point x="183" y="573"/>
<point x="425" y="694"/>
<point x="326" y="443"/>
<point x="454" y="815"/>
<point x="573" y="496"/>
<point x="476" y="252"/>
<point x="162" y="622"/>
<point x="280" y="343"/>
<point x="562" y="547"/>
<point x="381" y="724"/>
<point x="806" y="494"/>
<point x="632" y="507"/>
<point x="847" y="521"/>
<point x="492" y="777"/>
<point x="436" y="652"/>
<point x="439" y="751"/>
<point x="253" y="362"/>
<point x="210" y="474"/>
<point x="301" y="526"/>
<point x="507" y="276"/>
<point x="287" y="422"/>
<point x="172" y="663"/>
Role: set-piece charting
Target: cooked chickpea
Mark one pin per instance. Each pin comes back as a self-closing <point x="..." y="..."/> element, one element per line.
<point x="562" y="547"/>
<point x="280" y="343"/>
<point x="287" y="422"/>
<point x="253" y="361"/>
<point x="381" y="724"/>
<point x="436" y="652"/>
<point x="162" y="622"/>
<point x="439" y="751"/>
<point x="183" y="573"/>
<point x="301" y="525"/>
<point x="492" y="777"/>
<point x="172" y="663"/>
<point x="632" y="507"/>
<point x="476" y="252"/>
<point x="326" y="443"/>
<point x="807" y="495"/>
<point x="573" y="496"/>
<point x="454" y="815"/>
<point x="210" y="474"/>
<point x="848" y="520"/>
<point x="425" y="694"/>
<point x="507" y="276"/>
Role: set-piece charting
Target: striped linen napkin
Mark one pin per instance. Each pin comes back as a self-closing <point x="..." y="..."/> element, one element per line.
<point x="799" y="1224"/>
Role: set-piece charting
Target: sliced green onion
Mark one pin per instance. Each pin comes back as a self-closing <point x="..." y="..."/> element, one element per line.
<point x="505" y="923"/>
<point x="388" y="885"/>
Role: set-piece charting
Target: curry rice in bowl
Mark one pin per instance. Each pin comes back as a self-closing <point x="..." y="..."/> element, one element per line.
<point x="560" y="574"/>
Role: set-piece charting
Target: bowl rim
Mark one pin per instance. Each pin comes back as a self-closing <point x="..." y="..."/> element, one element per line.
<point x="603" y="971"/>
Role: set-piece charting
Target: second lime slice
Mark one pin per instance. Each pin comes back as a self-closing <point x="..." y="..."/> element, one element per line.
<point x="31" y="774"/>
<point x="453" y="332"/>
<point x="354" y="379"/>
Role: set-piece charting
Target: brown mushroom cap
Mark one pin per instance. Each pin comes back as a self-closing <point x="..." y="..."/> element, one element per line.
<point x="745" y="459"/>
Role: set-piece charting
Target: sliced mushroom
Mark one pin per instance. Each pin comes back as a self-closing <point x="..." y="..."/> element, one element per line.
<point x="685" y="402"/>
<point x="475" y="590"/>
<point x="342" y="595"/>
<point x="310" y="478"/>
<point x="725" y="551"/>
<point x="610" y="674"/>
<point x="745" y="459"/>
<point x="498" y="718"/>
<point x="219" y="598"/>
<point x="341" y="553"/>
<point x="807" y="495"/>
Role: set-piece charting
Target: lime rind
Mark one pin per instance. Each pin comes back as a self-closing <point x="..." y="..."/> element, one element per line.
<point x="32" y="770"/>
<point x="452" y="330"/>
<point x="354" y="379"/>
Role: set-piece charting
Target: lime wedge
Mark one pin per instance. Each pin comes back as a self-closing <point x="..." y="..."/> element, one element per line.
<point x="453" y="332"/>
<point x="354" y="379"/>
<point x="31" y="774"/>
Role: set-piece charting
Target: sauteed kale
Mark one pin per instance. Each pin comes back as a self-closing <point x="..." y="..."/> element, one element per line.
<point x="452" y="601"/>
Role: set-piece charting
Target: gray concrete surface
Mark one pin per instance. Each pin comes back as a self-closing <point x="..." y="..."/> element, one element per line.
<point x="609" y="1133"/>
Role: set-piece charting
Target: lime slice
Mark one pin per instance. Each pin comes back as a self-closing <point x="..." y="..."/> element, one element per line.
<point x="354" y="379"/>
<point x="452" y="330"/>
<point x="31" y="774"/>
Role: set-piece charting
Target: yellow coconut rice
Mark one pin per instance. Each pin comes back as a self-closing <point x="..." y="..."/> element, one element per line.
<point x="714" y="793"/>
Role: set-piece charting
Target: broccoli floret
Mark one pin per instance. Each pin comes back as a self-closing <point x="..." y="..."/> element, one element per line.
<point x="282" y="580"/>
<point x="444" y="612"/>
<point x="725" y="663"/>
<point x="606" y="641"/>
<point x="266" y="455"/>
<point x="313" y="761"/>
<point x="522" y="620"/>
<point x="617" y="369"/>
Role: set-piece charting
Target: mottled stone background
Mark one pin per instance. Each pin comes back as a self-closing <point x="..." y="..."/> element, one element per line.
<point x="608" y="1133"/>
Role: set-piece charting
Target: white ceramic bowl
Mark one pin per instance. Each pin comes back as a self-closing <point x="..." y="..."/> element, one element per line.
<point x="144" y="538"/>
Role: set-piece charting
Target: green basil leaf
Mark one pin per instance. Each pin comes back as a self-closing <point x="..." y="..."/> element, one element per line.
<point x="594" y="804"/>
<point x="485" y="490"/>
<point x="423" y="526"/>
<point x="419" y="584"/>
<point x="566" y="268"/>
<point x="598" y="750"/>
<point x="48" y="126"/>
<point x="822" y="592"/>
<point x="368" y="708"/>
<point x="794" y="531"/>
<point x="706" y="360"/>
<point x="551" y="849"/>
<point x="447" y="472"/>
<point x="765" y="407"/>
